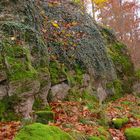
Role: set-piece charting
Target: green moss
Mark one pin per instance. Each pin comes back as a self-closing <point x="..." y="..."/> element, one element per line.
<point x="79" y="74"/>
<point x="104" y="138"/>
<point x="137" y="116"/>
<point x="56" y="72"/>
<point x="118" y="87"/>
<point x="37" y="103"/>
<point x="6" y="108"/>
<point x="76" y="77"/>
<point x="19" y="61"/>
<point x="126" y="103"/>
<point x="119" y="122"/>
<point x="119" y="58"/>
<point x="117" y="51"/>
<point x="45" y="116"/>
<point x="132" y="133"/>
<point x="104" y="134"/>
<point x="39" y="131"/>
<point x="94" y="138"/>
<point x="137" y="74"/>
<point x="59" y="71"/>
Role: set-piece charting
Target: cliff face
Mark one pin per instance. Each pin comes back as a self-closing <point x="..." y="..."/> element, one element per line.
<point x="55" y="48"/>
<point x="24" y="56"/>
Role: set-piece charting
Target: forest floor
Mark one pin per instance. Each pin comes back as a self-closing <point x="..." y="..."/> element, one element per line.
<point x="75" y="116"/>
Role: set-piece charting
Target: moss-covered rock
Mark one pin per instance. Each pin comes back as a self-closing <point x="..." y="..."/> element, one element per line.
<point x="6" y="110"/>
<point x="119" y="54"/>
<point x="119" y="122"/>
<point x="28" y="55"/>
<point x="45" y="116"/>
<point x="132" y="133"/>
<point x="39" y="131"/>
<point x="23" y="53"/>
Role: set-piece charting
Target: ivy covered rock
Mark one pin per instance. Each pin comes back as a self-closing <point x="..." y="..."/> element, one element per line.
<point x="46" y="47"/>
<point x="39" y="131"/>
<point x="23" y="57"/>
<point x="132" y="133"/>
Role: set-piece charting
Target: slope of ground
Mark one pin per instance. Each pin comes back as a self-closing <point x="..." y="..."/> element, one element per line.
<point x="76" y="119"/>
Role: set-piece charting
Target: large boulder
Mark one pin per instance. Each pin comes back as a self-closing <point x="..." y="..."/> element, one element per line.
<point x="42" y="42"/>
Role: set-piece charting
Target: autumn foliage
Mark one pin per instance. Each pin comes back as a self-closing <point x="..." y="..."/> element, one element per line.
<point x="123" y="18"/>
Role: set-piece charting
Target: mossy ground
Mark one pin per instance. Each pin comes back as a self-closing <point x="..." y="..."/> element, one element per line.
<point x="119" y="122"/>
<point x="41" y="132"/>
<point x="82" y="122"/>
<point x="45" y="117"/>
<point x="94" y="138"/>
<point x="132" y="133"/>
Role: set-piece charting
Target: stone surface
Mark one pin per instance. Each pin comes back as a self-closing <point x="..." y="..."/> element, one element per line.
<point x="3" y="91"/>
<point x="44" y="89"/>
<point x="136" y="88"/>
<point x="24" y="107"/>
<point x="101" y="93"/>
<point x="59" y="92"/>
<point x="3" y="76"/>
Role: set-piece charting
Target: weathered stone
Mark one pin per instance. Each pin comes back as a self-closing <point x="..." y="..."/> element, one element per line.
<point x="44" y="94"/>
<point x="3" y="76"/>
<point x="59" y="92"/>
<point x="25" y="107"/>
<point x="45" y="87"/>
<point x="101" y="93"/>
<point x="136" y="88"/>
<point x="3" y="91"/>
<point x="27" y="98"/>
<point x="87" y="84"/>
<point x="86" y="80"/>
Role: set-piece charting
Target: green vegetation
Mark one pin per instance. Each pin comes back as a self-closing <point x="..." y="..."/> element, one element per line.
<point x="132" y="133"/>
<point x="56" y="72"/>
<point x="137" y="74"/>
<point x="45" y="116"/>
<point x="117" y="51"/>
<point x="126" y="103"/>
<point x="18" y="61"/>
<point x="94" y="138"/>
<point x="55" y="45"/>
<point x="6" y="110"/>
<point x="119" y="58"/>
<point x="104" y="134"/>
<point x="118" y="88"/>
<point x="119" y="122"/>
<point x="39" y="131"/>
